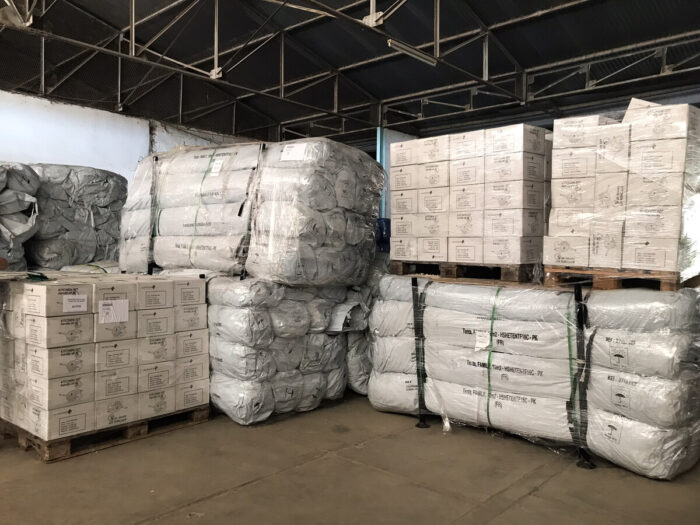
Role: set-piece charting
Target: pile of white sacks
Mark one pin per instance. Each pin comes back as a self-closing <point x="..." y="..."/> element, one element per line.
<point x="79" y="215"/>
<point x="270" y="349"/>
<point x="507" y="358"/>
<point x="18" y="212"/>
<point x="314" y="214"/>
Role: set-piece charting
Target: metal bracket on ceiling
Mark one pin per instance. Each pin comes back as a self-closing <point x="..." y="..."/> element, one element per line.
<point x="215" y="73"/>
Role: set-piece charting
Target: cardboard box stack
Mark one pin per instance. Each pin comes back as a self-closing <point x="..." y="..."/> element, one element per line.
<point x="484" y="206"/>
<point x="84" y="353"/>
<point x="621" y="192"/>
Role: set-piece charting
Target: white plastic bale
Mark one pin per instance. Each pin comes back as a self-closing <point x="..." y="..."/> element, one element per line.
<point x="394" y="355"/>
<point x="246" y="402"/>
<point x="288" y="353"/>
<point x="358" y="361"/>
<point x="289" y="319"/>
<point x="232" y="291"/>
<point x="221" y="253"/>
<point x="393" y="392"/>
<point x="313" y="391"/>
<point x="320" y="311"/>
<point x="246" y="326"/>
<point x="240" y="361"/>
<point x="336" y="382"/>
<point x="204" y="220"/>
<point x="287" y="389"/>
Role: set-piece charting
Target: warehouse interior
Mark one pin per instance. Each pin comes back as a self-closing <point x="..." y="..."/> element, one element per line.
<point x="349" y="261"/>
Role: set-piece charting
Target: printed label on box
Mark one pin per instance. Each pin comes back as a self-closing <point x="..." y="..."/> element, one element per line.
<point x="115" y="311"/>
<point x="75" y="303"/>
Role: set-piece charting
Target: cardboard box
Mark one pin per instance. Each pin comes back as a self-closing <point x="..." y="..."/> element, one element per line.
<point x="160" y="321"/>
<point x="49" y="298"/>
<point x="467" y="171"/>
<point x="656" y="157"/>
<point x="8" y="291"/>
<point x="420" y="151"/>
<point x="193" y="316"/>
<point x="467" y="250"/>
<point x="109" y="291"/>
<point x="434" y="200"/>
<point x="403" y="153"/>
<point x="405" y="201"/>
<point x="66" y="330"/>
<point x="513" y="195"/>
<point x="612" y="155"/>
<point x="514" y="166"/>
<point x="548" y="156"/>
<point x="467" y="145"/>
<point x="578" y="132"/>
<point x="403" y="225"/>
<point x="154" y="293"/>
<point x="117" y="330"/>
<point x="466" y="224"/>
<point x="432" y="249"/>
<point x="13" y="323"/>
<point x="158" y="348"/>
<point x="192" y="343"/>
<point x="403" y="248"/>
<point x="664" y="122"/>
<point x="573" y="163"/>
<point x="570" y="222"/>
<point x="573" y="193"/>
<point x="653" y="221"/>
<point x="192" y="368"/>
<point x="116" y="411"/>
<point x="60" y="362"/>
<point x="432" y="224"/>
<point x="467" y="198"/>
<point x="565" y="251"/>
<point x="513" y="223"/>
<point x="62" y="422"/>
<point x="433" y="174"/>
<point x="655" y="190"/>
<point x="403" y="177"/>
<point x="61" y="391"/>
<point x="637" y="103"/>
<point x="116" y="354"/>
<point x="518" y="137"/>
<point x="116" y="382"/>
<point x="611" y="194"/>
<point x="156" y="376"/>
<point x="189" y="291"/>
<point x="650" y="253"/>
<point x="512" y="250"/>
<point x="606" y="244"/>
<point x="191" y="395"/>
<point x="156" y="403"/>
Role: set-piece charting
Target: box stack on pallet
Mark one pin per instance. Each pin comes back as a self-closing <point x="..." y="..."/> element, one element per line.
<point x="624" y="195"/>
<point x="492" y="211"/>
<point x="84" y="353"/>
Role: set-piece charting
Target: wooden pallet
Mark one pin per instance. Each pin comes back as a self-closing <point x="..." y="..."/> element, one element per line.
<point x="78" y="445"/>
<point x="611" y="278"/>
<point x="517" y="273"/>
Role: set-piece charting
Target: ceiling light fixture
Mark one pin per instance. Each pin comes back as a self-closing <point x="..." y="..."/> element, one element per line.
<point x="412" y="52"/>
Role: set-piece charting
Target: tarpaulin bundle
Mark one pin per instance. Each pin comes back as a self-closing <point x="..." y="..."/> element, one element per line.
<point x="19" y="184"/>
<point x="506" y="358"/>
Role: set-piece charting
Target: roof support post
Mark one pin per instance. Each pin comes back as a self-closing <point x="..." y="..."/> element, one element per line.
<point x="436" y="27"/>
<point x="132" y="28"/>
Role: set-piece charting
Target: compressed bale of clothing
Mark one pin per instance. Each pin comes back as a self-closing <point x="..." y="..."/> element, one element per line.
<point x="268" y="333"/>
<point x="216" y="252"/>
<point x="314" y="213"/>
<point x="246" y="402"/>
<point x="393" y="392"/>
<point x="135" y="241"/>
<point x="80" y="209"/>
<point x="19" y="184"/>
<point x="359" y="363"/>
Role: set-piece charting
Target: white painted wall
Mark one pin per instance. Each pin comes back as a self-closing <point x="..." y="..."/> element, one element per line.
<point x="35" y="130"/>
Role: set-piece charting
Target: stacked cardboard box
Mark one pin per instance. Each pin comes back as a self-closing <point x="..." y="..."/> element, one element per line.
<point x="420" y="199"/>
<point x="621" y="192"/>
<point x="83" y="353"/>
<point x="484" y="206"/>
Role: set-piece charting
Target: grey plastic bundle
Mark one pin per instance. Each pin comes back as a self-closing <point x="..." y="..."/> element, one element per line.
<point x="316" y="202"/>
<point x="79" y="217"/>
<point x="270" y="348"/>
<point x="507" y="358"/>
<point x="18" y="212"/>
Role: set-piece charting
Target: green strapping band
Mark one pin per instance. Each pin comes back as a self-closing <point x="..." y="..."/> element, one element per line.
<point x="199" y="204"/>
<point x="488" y="367"/>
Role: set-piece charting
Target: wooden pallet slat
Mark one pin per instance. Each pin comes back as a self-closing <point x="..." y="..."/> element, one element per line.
<point x="78" y="445"/>
<point x="611" y="278"/>
<point x="517" y="273"/>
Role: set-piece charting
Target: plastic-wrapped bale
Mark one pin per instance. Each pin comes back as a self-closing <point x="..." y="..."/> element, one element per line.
<point x="314" y="214"/>
<point x="18" y="212"/>
<point x="270" y="350"/>
<point x="79" y="216"/>
<point x="194" y="201"/>
<point x="94" y="267"/>
<point x="507" y="358"/>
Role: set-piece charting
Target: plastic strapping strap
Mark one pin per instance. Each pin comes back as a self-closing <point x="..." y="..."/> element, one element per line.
<point x="199" y="205"/>
<point x="571" y="404"/>
<point x="488" y="365"/>
<point x="418" y="308"/>
<point x="583" y="376"/>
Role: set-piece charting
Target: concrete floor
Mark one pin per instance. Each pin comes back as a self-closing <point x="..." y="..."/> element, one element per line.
<point x="341" y="464"/>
